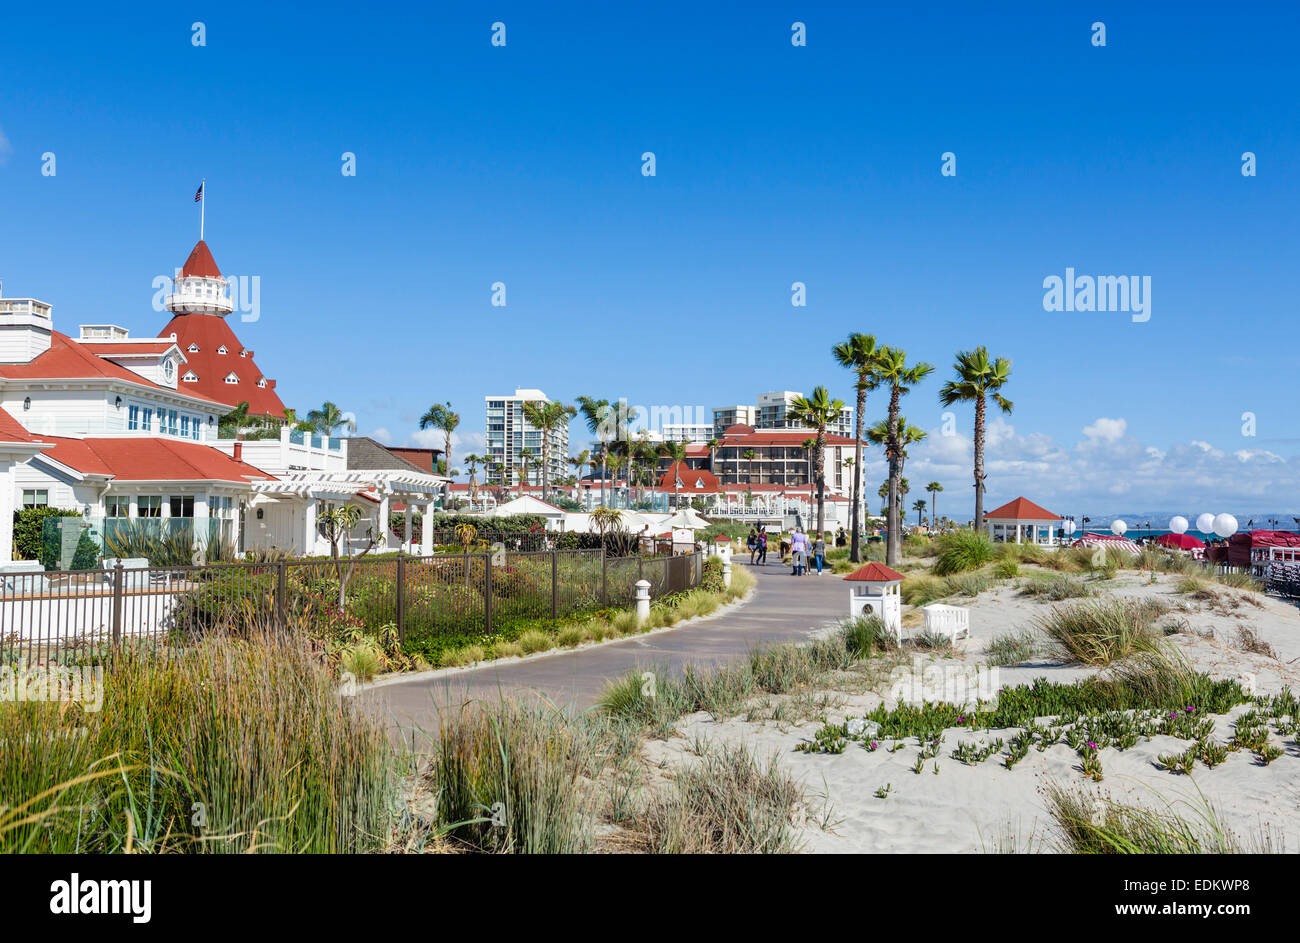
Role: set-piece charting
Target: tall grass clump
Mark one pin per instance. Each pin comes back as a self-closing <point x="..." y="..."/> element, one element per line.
<point x="727" y="803"/>
<point x="1013" y="648"/>
<point x="923" y="589"/>
<point x="1055" y="588"/>
<point x="232" y="746"/>
<point x="962" y="550"/>
<point x="508" y="778"/>
<point x="865" y="635"/>
<point x="1098" y="632"/>
<point x="1108" y="827"/>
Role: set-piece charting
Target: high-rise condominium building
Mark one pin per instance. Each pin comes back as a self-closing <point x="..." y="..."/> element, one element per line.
<point x="509" y="434"/>
<point x="772" y="412"/>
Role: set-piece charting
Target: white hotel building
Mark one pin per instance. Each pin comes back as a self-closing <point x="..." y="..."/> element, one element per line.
<point x="508" y="433"/>
<point x="120" y="427"/>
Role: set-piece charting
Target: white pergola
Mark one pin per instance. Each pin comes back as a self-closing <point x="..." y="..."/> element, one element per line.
<point x="411" y="488"/>
<point x="1022" y="521"/>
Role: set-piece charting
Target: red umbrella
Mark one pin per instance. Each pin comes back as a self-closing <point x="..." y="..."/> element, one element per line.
<point x="1180" y="541"/>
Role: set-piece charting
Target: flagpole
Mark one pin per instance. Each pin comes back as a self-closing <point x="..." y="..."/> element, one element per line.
<point x="203" y="204"/>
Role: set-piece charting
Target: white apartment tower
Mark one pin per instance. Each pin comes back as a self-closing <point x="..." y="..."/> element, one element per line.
<point x="508" y="433"/>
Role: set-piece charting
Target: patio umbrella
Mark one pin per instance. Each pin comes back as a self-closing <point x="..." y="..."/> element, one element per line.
<point x="686" y="518"/>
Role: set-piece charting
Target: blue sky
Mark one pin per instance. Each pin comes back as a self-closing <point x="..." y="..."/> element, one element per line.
<point x="775" y="164"/>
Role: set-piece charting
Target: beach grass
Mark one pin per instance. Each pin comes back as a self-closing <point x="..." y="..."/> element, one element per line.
<point x="1098" y="632"/>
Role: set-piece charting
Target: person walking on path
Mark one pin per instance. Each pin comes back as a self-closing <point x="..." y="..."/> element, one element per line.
<point x="819" y="552"/>
<point x="752" y="543"/>
<point x="798" y="551"/>
<point x="762" y="548"/>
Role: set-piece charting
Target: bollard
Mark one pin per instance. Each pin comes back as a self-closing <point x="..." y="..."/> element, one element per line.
<point x="642" y="601"/>
<point x="726" y="572"/>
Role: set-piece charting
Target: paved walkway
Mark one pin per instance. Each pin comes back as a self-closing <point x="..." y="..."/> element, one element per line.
<point x="782" y="608"/>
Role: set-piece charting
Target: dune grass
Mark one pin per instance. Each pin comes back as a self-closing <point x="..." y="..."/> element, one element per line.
<point x="726" y="803"/>
<point x="960" y="551"/>
<point x="507" y="779"/>
<point x="1055" y="587"/>
<point x="1098" y="632"/>
<point x="1105" y="826"/>
<point x="1013" y="648"/>
<point x="231" y="746"/>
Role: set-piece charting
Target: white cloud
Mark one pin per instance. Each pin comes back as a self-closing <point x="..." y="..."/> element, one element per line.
<point x="1108" y="430"/>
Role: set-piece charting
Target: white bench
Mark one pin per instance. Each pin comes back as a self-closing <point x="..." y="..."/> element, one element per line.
<point x="950" y="621"/>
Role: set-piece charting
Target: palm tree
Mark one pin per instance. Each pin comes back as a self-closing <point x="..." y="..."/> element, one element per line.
<point x="328" y="418"/>
<point x="892" y="370"/>
<point x="977" y="378"/>
<point x="546" y="418"/>
<point x="441" y="416"/>
<point x="648" y="456"/>
<point x="809" y="446"/>
<point x="713" y="447"/>
<point x="524" y="455"/>
<point x="859" y="353"/>
<point x="906" y="434"/>
<point x="934" y="488"/>
<point x="816" y="412"/>
<point x="473" y="461"/>
<point x="919" y="506"/>
<point x="675" y="452"/>
<point x="748" y="455"/>
<point x="597" y="413"/>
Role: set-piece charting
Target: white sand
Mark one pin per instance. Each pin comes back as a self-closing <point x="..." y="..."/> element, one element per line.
<point x="985" y="807"/>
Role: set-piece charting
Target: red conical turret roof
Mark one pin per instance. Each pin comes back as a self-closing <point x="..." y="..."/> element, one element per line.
<point x="200" y="263"/>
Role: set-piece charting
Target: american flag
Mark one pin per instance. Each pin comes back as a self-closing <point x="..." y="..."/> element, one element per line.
<point x="198" y="194"/>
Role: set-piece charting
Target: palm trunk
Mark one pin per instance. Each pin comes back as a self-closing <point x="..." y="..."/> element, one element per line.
<point x="892" y="529"/>
<point x="855" y="547"/>
<point x="933" y="496"/>
<point x="979" y="464"/>
<point x="821" y="480"/>
<point x="546" y="464"/>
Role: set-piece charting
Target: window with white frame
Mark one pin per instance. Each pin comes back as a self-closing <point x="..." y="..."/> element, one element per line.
<point x="193" y="348"/>
<point x="36" y="498"/>
<point x="190" y="377"/>
<point x="222" y="349"/>
<point x="232" y="378"/>
<point x="117" y="506"/>
<point x="182" y="505"/>
<point x="172" y="423"/>
<point x="149" y="505"/>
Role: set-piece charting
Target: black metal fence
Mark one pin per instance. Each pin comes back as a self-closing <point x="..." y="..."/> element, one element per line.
<point x="71" y="616"/>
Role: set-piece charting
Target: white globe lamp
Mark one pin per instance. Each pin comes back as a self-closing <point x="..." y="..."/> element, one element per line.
<point x="1225" y="525"/>
<point x="1118" y="527"/>
<point x="1068" y="527"/>
<point x="1205" y="523"/>
<point x="1178" y="524"/>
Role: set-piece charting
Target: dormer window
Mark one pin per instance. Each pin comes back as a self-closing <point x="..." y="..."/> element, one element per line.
<point x="222" y="349"/>
<point x="193" y="348"/>
<point x="190" y="377"/>
<point x="231" y="378"/>
<point x="262" y="383"/>
<point x="243" y="353"/>
<point x="169" y="369"/>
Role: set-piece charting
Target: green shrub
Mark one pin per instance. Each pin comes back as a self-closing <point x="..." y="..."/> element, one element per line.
<point x="1055" y="588"/>
<point x="29" y="540"/>
<point x="1013" y="648"/>
<point x="1007" y="569"/>
<point x="962" y="550"/>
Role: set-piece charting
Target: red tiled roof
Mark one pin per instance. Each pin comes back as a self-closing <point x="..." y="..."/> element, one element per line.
<point x="11" y="430"/>
<point x="738" y="429"/>
<point x="151" y="459"/>
<point x="68" y="359"/>
<point x="875" y="573"/>
<point x="210" y="332"/>
<point x="698" y="480"/>
<point x="1021" y="509"/>
<point x="200" y="263"/>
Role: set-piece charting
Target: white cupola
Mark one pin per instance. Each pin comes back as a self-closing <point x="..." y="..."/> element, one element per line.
<point x="199" y="287"/>
<point x="25" y="326"/>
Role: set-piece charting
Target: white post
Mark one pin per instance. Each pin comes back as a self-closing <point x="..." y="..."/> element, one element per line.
<point x="384" y="512"/>
<point x="726" y="572"/>
<point x="406" y="525"/>
<point x="642" y="601"/>
<point x="7" y="501"/>
<point x="309" y="528"/>
<point x="426" y="531"/>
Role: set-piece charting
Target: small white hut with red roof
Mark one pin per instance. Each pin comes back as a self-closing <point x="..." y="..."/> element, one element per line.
<point x="875" y="591"/>
<point x="1022" y="521"/>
